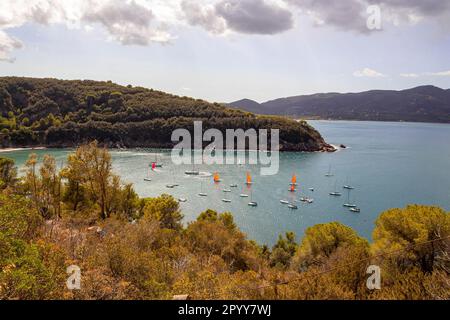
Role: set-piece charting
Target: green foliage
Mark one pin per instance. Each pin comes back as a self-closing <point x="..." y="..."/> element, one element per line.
<point x="64" y="113"/>
<point x="164" y="209"/>
<point x="8" y="173"/>
<point x="139" y="248"/>
<point x="321" y="241"/>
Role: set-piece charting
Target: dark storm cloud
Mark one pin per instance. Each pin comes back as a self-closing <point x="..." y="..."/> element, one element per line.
<point x="254" y="16"/>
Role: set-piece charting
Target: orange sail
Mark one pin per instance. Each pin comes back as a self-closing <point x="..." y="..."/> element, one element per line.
<point x="292" y="188"/>
<point x="216" y="177"/>
<point x="249" y="178"/>
<point x="294" y="180"/>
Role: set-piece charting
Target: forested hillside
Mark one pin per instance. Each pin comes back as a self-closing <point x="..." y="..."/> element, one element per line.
<point x="59" y="113"/>
<point x="132" y="248"/>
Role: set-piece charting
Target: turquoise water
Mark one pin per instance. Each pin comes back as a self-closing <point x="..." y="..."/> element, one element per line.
<point x="389" y="164"/>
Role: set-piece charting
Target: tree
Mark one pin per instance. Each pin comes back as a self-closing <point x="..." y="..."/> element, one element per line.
<point x="406" y="229"/>
<point x="8" y="173"/>
<point x="320" y="241"/>
<point x="164" y="209"/>
<point x="283" y="250"/>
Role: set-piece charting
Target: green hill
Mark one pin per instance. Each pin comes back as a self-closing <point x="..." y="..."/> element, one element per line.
<point x="62" y="113"/>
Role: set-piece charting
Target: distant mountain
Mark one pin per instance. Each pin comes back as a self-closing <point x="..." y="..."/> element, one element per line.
<point x="420" y="104"/>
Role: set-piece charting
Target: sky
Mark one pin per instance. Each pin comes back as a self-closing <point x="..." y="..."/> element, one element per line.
<point x="226" y="50"/>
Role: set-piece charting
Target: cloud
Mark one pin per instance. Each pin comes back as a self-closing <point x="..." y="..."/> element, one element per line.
<point x="346" y="15"/>
<point x="7" y="45"/>
<point x="249" y="16"/>
<point x="367" y="72"/>
<point x="255" y="16"/>
<point x="439" y="74"/>
<point x="409" y="75"/>
<point x="204" y="16"/>
<point x="127" y="22"/>
<point x="130" y="22"/>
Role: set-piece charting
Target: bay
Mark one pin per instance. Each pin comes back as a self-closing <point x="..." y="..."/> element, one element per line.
<point x="390" y="165"/>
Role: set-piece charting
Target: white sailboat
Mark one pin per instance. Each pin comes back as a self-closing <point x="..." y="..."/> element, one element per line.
<point x="335" y="193"/>
<point x="252" y="203"/>
<point x="329" y="174"/>
<point x="202" y="194"/>
<point x="348" y="204"/>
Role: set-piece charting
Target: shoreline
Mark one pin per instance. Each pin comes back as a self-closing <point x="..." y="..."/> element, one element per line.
<point x="4" y="150"/>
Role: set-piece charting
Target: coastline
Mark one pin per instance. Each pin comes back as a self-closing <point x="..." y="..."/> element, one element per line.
<point x="4" y="150"/>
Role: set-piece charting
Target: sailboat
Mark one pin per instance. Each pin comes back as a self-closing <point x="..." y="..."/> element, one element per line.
<point x="157" y="164"/>
<point x="294" y="180"/>
<point x="249" y="179"/>
<point x="292" y="188"/>
<point x="335" y="193"/>
<point x="348" y="204"/>
<point x="329" y="174"/>
<point x="148" y="174"/>
<point x="216" y="178"/>
<point x="284" y="201"/>
<point x="202" y="194"/>
<point x="348" y="186"/>
<point x="192" y="172"/>
<point x="292" y="206"/>
<point x="356" y="210"/>
<point x="226" y="200"/>
<point x="182" y="200"/>
<point x="233" y="185"/>
<point x="226" y="190"/>
<point x="252" y="203"/>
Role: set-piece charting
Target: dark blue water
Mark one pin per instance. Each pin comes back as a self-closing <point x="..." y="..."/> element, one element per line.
<point x="389" y="164"/>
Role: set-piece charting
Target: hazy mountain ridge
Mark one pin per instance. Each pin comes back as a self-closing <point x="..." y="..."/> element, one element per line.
<point x="420" y="104"/>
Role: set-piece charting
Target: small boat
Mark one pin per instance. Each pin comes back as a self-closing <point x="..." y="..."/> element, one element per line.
<point x="348" y="186"/>
<point x="292" y="206"/>
<point x="249" y="179"/>
<point x="294" y="181"/>
<point x="335" y="193"/>
<point x="242" y="195"/>
<point x="233" y="185"/>
<point x="348" y="204"/>
<point x="216" y="178"/>
<point x="192" y="172"/>
<point x="156" y="163"/>
<point x="309" y="200"/>
<point x="329" y="173"/>
<point x="311" y="189"/>
<point x="356" y="210"/>
<point x="292" y="188"/>
<point x="170" y="186"/>
<point x="182" y="200"/>
<point x="226" y="190"/>
<point x="284" y="201"/>
<point x="226" y="200"/>
<point x="252" y="203"/>
<point x="147" y="179"/>
<point x="202" y="194"/>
